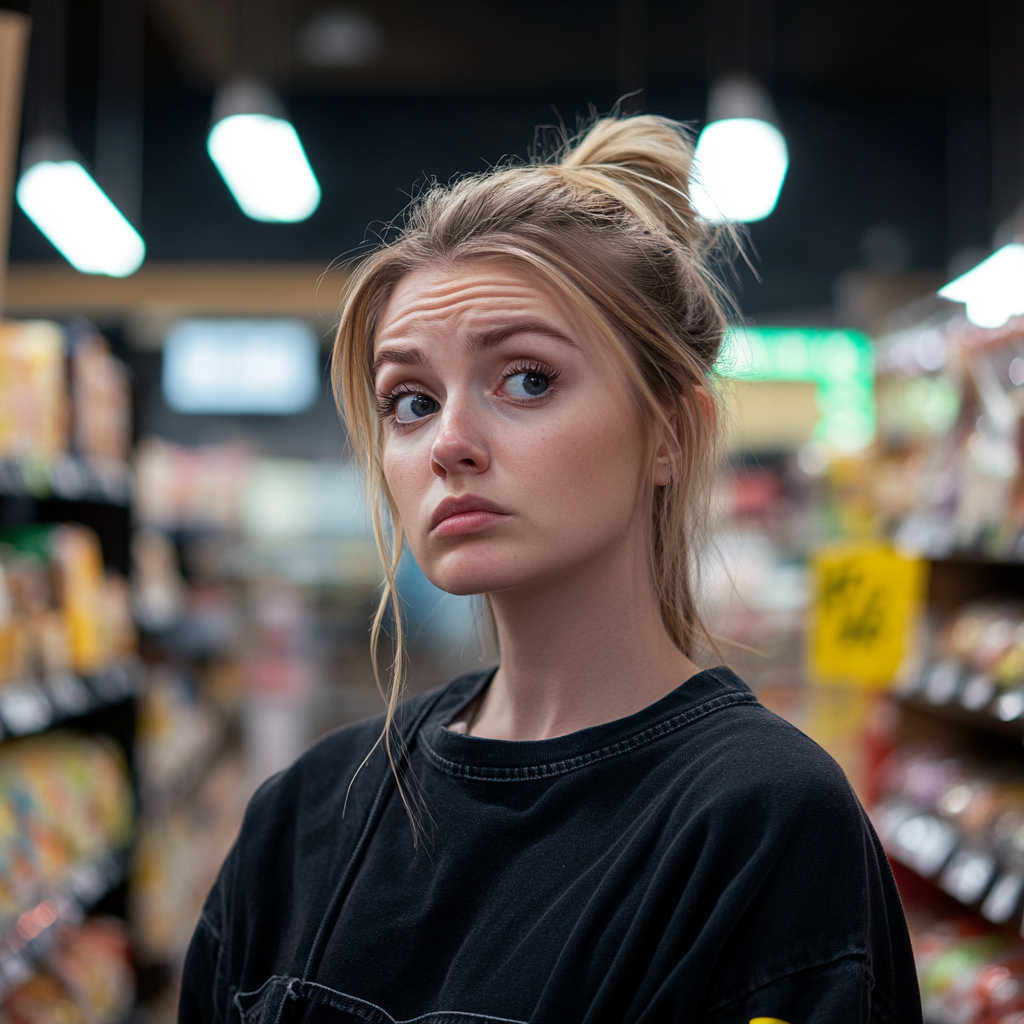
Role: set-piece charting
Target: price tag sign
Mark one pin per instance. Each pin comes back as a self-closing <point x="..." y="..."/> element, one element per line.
<point x="867" y="598"/>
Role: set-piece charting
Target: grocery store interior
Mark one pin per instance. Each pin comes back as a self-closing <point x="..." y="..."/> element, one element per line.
<point x="187" y="571"/>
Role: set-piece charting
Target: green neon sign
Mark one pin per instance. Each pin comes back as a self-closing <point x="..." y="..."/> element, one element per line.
<point x="840" y="363"/>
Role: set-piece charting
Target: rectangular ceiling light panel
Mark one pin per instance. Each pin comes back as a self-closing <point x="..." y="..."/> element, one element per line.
<point x="241" y="366"/>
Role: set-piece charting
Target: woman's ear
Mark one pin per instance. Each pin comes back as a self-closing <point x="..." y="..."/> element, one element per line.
<point x="699" y="407"/>
<point x="666" y="457"/>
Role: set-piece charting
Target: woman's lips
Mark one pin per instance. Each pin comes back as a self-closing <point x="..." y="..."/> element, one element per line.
<point x="466" y="522"/>
<point x="456" y="516"/>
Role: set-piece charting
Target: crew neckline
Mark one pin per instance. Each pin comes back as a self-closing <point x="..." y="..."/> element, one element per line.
<point x="506" y="760"/>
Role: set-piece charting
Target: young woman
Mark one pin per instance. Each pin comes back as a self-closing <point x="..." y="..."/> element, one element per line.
<point x="596" y="831"/>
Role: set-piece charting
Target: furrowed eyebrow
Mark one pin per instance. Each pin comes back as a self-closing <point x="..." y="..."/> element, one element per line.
<point x="488" y="339"/>
<point x="402" y="356"/>
<point x="479" y="343"/>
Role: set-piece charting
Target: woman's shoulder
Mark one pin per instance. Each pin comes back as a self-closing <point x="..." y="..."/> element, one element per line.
<point x="747" y="756"/>
<point x="333" y="780"/>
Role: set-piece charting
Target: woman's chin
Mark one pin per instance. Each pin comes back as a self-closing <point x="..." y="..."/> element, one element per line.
<point x="463" y="576"/>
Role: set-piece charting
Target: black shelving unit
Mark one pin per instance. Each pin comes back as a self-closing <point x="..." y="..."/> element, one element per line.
<point x="952" y="706"/>
<point x="70" y="490"/>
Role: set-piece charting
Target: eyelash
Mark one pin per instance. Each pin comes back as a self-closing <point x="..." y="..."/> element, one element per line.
<point x="530" y="366"/>
<point x="386" y="403"/>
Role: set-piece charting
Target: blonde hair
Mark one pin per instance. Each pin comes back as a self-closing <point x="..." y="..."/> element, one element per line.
<point x="608" y="222"/>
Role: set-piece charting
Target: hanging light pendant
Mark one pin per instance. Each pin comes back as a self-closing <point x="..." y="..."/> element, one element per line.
<point x="259" y="155"/>
<point x="741" y="158"/>
<point x="62" y="199"/>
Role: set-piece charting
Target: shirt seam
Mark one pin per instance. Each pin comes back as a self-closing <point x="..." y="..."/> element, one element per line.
<point x="543" y="771"/>
<point x="811" y="965"/>
<point x="204" y="919"/>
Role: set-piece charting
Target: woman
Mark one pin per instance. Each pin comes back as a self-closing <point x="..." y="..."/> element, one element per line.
<point x="597" y="830"/>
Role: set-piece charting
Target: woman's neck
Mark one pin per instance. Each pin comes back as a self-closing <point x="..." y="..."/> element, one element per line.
<point x="584" y="648"/>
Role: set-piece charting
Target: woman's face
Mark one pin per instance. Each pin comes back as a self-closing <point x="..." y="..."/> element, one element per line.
<point x="512" y="446"/>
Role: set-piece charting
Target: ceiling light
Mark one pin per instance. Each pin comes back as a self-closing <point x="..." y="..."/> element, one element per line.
<point x="259" y="155"/>
<point x="61" y="198"/>
<point x="993" y="291"/>
<point x="741" y="158"/>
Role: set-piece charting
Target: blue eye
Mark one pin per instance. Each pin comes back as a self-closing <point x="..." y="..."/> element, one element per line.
<point x="528" y="385"/>
<point x="410" y="408"/>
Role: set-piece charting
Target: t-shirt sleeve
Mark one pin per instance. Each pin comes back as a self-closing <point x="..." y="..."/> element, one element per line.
<point x="805" y="924"/>
<point x="835" y="993"/>
<point x="204" y="997"/>
<point x="199" y="1002"/>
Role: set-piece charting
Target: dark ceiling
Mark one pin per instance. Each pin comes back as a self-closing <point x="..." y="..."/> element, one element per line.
<point x="908" y="113"/>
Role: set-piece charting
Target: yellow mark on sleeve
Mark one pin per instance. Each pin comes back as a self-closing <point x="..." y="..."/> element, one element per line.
<point x="767" y="1020"/>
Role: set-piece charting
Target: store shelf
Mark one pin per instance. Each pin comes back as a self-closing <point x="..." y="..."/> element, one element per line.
<point x="934" y="848"/>
<point x="25" y="939"/>
<point x="34" y="706"/>
<point x="67" y="478"/>
<point x="950" y="690"/>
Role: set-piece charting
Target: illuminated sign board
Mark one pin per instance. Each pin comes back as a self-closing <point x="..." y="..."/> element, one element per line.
<point x="840" y="363"/>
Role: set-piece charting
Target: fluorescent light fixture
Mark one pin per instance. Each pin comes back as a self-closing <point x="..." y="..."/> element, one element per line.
<point x="260" y="157"/>
<point x="993" y="291"/>
<point x="741" y="158"/>
<point x="61" y="198"/>
<point x="241" y="366"/>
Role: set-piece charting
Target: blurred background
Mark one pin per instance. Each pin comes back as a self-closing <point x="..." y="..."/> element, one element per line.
<point x="186" y="572"/>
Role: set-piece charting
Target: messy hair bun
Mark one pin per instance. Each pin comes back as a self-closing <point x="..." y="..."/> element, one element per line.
<point x="606" y="219"/>
<point x="645" y="163"/>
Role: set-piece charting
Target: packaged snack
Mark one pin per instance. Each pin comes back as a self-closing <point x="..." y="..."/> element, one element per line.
<point x="94" y="962"/>
<point x="33" y="392"/>
<point x="64" y="799"/>
<point x="43" y="1000"/>
<point x="101" y="398"/>
<point x="63" y="611"/>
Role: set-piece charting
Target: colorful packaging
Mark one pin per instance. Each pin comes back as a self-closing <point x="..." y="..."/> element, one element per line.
<point x="34" y="408"/>
<point x="59" y="610"/>
<point x="88" y="979"/>
<point x="64" y="799"/>
<point x="101" y="399"/>
<point x="94" y="963"/>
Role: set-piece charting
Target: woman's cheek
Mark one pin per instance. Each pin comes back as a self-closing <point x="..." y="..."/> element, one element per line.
<point x="404" y="475"/>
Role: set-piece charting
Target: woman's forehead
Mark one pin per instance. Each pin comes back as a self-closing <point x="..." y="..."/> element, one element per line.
<point x="476" y="294"/>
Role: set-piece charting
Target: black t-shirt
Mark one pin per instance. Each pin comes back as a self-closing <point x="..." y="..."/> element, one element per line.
<point x="701" y="861"/>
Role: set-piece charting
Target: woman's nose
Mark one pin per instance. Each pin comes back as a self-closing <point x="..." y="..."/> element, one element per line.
<point x="459" y="446"/>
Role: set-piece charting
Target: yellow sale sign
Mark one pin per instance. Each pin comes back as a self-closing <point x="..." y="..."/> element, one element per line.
<point x="867" y="598"/>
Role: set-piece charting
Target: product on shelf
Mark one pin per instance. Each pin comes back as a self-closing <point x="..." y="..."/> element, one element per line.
<point x="178" y="736"/>
<point x="969" y="974"/>
<point x="157" y="583"/>
<point x="978" y="662"/>
<point x="65" y="800"/>
<point x="87" y="978"/>
<point x="59" y="610"/>
<point x="948" y="476"/>
<point x="179" y="488"/>
<point x="60" y="391"/>
<point x="34" y="409"/>
<point x="958" y="821"/>
<point x="100" y="398"/>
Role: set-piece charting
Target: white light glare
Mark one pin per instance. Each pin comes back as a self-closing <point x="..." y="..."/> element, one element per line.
<point x="262" y="161"/>
<point x="241" y="366"/>
<point x="63" y="201"/>
<point x="993" y="291"/>
<point x="739" y="168"/>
